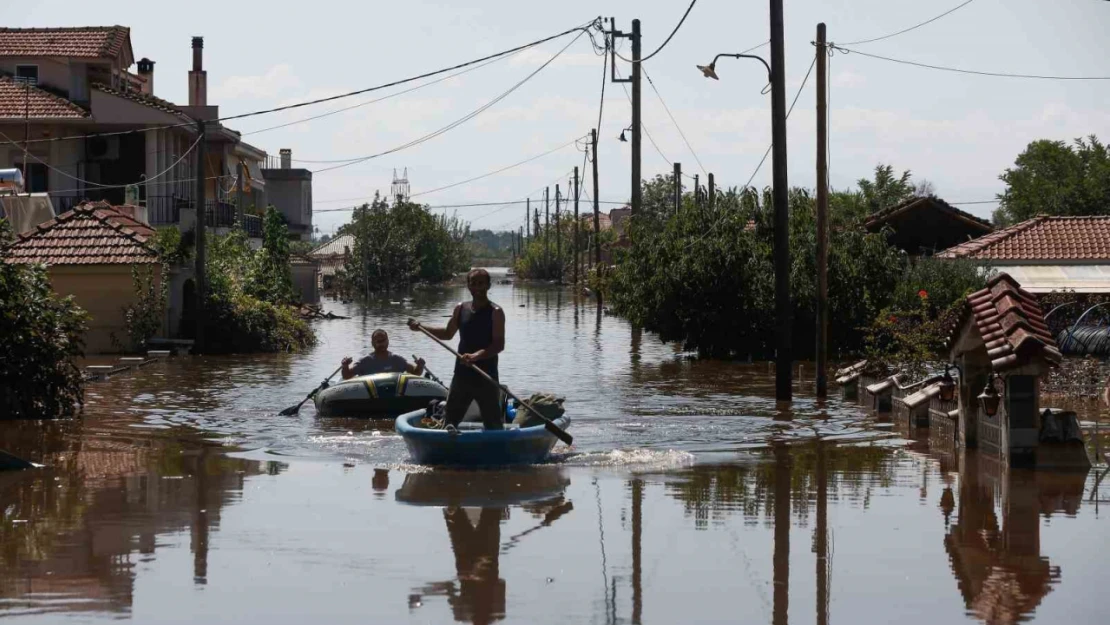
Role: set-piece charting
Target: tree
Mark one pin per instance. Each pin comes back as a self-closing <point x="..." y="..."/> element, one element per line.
<point x="271" y="278"/>
<point x="885" y="190"/>
<point x="1053" y="178"/>
<point x="39" y="378"/>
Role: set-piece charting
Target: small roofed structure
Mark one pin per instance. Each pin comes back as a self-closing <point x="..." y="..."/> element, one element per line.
<point x="330" y="256"/>
<point x="1002" y="348"/>
<point x="927" y="225"/>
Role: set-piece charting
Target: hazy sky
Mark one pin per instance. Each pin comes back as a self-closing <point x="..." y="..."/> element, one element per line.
<point x="957" y="131"/>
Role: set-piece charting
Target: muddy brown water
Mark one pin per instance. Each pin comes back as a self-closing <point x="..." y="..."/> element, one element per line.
<point x="688" y="497"/>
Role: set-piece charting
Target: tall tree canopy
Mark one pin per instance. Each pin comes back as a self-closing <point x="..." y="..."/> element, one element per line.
<point x="1053" y="178"/>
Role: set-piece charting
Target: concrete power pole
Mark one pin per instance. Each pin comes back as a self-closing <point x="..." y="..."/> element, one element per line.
<point x="528" y="217"/>
<point x="783" y="356"/>
<point x="547" y="228"/>
<point x="822" y="219"/>
<point x="201" y="278"/>
<point x="597" y="217"/>
<point x="576" y="225"/>
<point x="712" y="193"/>
<point x="677" y="188"/>
<point x="637" y="191"/>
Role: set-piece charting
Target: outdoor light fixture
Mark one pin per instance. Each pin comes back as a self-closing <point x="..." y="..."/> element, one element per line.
<point x="622" y="134"/>
<point x="989" y="398"/>
<point x="947" y="384"/>
<point x="710" y="71"/>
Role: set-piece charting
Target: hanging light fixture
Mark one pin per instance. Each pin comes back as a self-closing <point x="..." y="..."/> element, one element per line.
<point x="947" y="384"/>
<point x="989" y="398"/>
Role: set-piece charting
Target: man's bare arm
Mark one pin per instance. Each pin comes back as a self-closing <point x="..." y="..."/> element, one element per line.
<point x="443" y="334"/>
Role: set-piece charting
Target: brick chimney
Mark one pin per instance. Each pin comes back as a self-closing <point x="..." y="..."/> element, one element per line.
<point x="286" y="158"/>
<point x="146" y="70"/>
<point x="198" y="78"/>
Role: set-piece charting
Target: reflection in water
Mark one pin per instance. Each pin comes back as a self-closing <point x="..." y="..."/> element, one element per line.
<point x="477" y="594"/>
<point x="782" y="535"/>
<point x="997" y="562"/>
<point x="68" y="532"/>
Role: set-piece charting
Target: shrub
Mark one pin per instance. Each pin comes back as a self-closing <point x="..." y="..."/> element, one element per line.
<point x="39" y="378"/>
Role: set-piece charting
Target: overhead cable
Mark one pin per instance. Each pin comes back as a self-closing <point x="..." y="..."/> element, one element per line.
<point x="667" y="40"/>
<point x="914" y="27"/>
<point x="966" y="71"/>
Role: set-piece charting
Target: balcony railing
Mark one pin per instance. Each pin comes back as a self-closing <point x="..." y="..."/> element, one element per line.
<point x="166" y="211"/>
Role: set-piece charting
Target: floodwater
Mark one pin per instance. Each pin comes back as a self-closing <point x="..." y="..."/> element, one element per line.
<point x="688" y="497"/>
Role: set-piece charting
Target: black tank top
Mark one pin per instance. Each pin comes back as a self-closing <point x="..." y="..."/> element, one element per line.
<point x="475" y="333"/>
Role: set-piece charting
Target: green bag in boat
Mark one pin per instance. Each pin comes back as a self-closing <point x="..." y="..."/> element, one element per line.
<point x="547" y="404"/>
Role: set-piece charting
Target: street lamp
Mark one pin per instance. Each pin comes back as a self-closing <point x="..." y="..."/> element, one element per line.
<point x="781" y="246"/>
<point x="947" y="384"/>
<point x="621" y="138"/>
<point x="989" y="398"/>
<point x="710" y="71"/>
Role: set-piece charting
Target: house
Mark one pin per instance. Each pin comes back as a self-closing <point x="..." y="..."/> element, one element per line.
<point x="331" y="256"/>
<point x="90" y="252"/>
<point x="93" y="130"/>
<point x="1047" y="254"/>
<point x="922" y="226"/>
<point x="290" y="192"/>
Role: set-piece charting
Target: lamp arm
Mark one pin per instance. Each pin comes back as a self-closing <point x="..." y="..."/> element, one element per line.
<point x="746" y="56"/>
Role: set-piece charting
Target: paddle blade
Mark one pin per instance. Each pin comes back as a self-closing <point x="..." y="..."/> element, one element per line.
<point x="559" y="433"/>
<point x="292" y="410"/>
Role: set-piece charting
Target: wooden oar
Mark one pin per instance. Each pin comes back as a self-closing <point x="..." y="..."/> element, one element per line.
<point x="431" y="375"/>
<point x="548" y="424"/>
<point x="292" y="410"/>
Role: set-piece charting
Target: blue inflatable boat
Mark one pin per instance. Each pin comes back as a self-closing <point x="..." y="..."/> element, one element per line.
<point x="473" y="445"/>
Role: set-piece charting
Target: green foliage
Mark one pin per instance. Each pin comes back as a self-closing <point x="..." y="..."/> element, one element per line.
<point x="1053" y="178"/>
<point x="549" y="254"/>
<point x="39" y="378"/>
<point x="173" y="247"/>
<point x="403" y="244"/>
<point x="705" y="276"/>
<point x="491" y="245"/>
<point x="143" y="319"/>
<point x="240" y="317"/>
<point x="885" y="190"/>
<point x="271" y="278"/>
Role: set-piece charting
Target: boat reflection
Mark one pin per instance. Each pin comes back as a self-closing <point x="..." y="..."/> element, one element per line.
<point x="474" y="505"/>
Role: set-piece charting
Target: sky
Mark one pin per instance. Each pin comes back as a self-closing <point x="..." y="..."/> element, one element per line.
<point x="958" y="131"/>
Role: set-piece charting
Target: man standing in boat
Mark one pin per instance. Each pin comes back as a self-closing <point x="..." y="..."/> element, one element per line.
<point x="381" y="360"/>
<point x="481" y="325"/>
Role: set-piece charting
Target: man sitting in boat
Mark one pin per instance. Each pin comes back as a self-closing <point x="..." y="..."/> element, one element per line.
<point x="381" y="360"/>
<point x="481" y="324"/>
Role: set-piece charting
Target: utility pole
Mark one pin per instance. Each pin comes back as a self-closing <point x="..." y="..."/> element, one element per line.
<point x="637" y="192"/>
<point x="558" y="239"/>
<point x="597" y="218"/>
<point x="528" y="217"/>
<point x="822" y="219"/>
<point x="240" y="193"/>
<point x="677" y="188"/>
<point x="576" y="225"/>
<point x="783" y="390"/>
<point x="697" y="192"/>
<point x="201" y="275"/>
<point x="536" y="227"/>
<point x="547" y="228"/>
<point x="712" y="192"/>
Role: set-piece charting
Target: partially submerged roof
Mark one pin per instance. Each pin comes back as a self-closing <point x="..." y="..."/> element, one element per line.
<point x="91" y="234"/>
<point x="334" y="247"/>
<point x="1010" y="324"/>
<point x="19" y="102"/>
<point x="87" y="42"/>
<point x="1042" y="239"/>
<point x="927" y="224"/>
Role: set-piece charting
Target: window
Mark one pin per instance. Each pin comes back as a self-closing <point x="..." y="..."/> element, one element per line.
<point x="34" y="181"/>
<point x="28" y="73"/>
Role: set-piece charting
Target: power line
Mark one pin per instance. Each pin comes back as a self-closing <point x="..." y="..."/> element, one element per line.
<point x="581" y="29"/>
<point x="463" y="205"/>
<point x="673" y="120"/>
<point x="455" y="123"/>
<point x="967" y="71"/>
<point x="914" y="27"/>
<point x="498" y="171"/>
<point x="376" y="100"/>
<point x="665" y="42"/>
<point x="643" y="125"/>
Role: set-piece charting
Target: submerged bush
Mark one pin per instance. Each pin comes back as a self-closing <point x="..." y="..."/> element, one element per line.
<point x="41" y="331"/>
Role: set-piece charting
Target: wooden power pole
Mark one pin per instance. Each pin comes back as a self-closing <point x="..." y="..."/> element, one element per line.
<point x="547" y="228"/>
<point x="677" y="188"/>
<point x="780" y="196"/>
<point x="558" y="239"/>
<point x="576" y="225"/>
<point x="712" y="193"/>
<point x="597" y="217"/>
<point x="201" y="278"/>
<point x="822" y="219"/>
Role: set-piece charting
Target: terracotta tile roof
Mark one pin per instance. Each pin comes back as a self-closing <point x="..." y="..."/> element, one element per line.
<point x="91" y="234"/>
<point x="90" y="42"/>
<point x="145" y="99"/>
<point x="919" y="203"/>
<point x="1011" y="324"/>
<point x="16" y="101"/>
<point x="1042" y="238"/>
